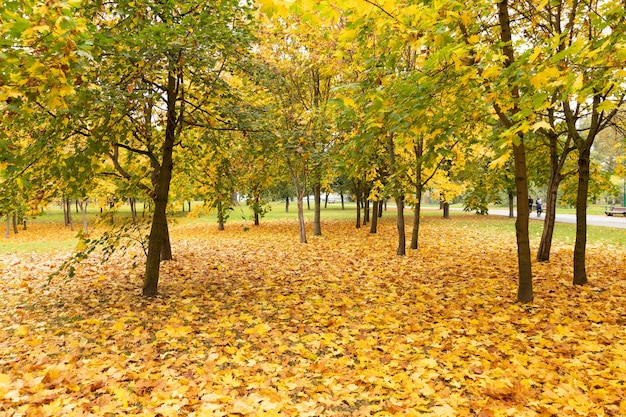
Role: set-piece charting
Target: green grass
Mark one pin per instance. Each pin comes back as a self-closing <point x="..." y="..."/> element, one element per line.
<point x="57" y="237"/>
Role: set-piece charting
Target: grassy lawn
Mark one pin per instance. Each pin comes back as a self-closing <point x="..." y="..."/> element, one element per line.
<point x="47" y="233"/>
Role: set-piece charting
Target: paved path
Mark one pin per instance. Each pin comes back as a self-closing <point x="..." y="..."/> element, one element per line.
<point x="592" y="220"/>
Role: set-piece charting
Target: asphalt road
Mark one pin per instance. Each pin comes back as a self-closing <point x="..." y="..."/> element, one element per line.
<point x="593" y="220"/>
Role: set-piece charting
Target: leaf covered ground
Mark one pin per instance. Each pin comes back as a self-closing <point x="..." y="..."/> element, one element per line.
<point x="251" y="323"/>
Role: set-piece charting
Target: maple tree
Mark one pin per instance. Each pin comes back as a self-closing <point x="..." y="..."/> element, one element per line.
<point x="399" y="96"/>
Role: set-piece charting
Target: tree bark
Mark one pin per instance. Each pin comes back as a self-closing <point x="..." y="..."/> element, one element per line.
<point x="220" y="215"/>
<point x="70" y="221"/>
<point x="257" y="201"/>
<point x="580" y="271"/>
<point x="543" y="254"/>
<point x="357" y="195"/>
<point x="317" y="225"/>
<point x="64" y="206"/>
<point x="287" y="204"/>
<point x="401" y="228"/>
<point x="416" y="214"/>
<point x="301" y="224"/>
<point x="15" y="222"/>
<point x="525" y="282"/>
<point x="446" y="210"/>
<point x="132" y="202"/>
<point x="366" y="209"/>
<point x="511" y="205"/>
<point x="159" y="234"/>
<point x="374" y="224"/>
<point x="419" y="150"/>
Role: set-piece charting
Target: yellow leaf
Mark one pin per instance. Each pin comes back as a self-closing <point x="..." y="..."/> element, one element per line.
<point x="22" y="331"/>
<point x="542" y="78"/>
<point x="542" y="124"/>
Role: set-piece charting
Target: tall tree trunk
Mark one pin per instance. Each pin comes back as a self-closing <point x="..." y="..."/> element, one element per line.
<point x="446" y="210"/>
<point x="416" y="214"/>
<point x="7" y="231"/>
<point x="366" y="208"/>
<point x="357" y="195"/>
<point x="401" y="228"/>
<point x="15" y="222"/>
<point x="64" y="206"/>
<point x="317" y="225"/>
<point x="287" y="204"/>
<point x="543" y="254"/>
<point x="525" y="283"/>
<point x="511" y="205"/>
<point x="374" y="224"/>
<point x="580" y="272"/>
<point x="257" y="201"/>
<point x="70" y="221"/>
<point x="220" y="215"/>
<point x="301" y="224"/>
<point x="343" y="204"/>
<point x="300" y="186"/>
<point x="132" y="202"/>
<point x="380" y="208"/>
<point x="399" y="197"/>
<point x="159" y="234"/>
<point x="418" y="151"/>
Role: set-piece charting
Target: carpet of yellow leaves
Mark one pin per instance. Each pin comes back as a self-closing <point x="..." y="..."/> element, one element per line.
<point x="254" y="324"/>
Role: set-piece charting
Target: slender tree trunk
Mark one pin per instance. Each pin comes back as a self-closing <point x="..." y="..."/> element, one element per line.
<point x="357" y="192"/>
<point x="15" y="222"/>
<point x="317" y="224"/>
<point x="70" y="221"/>
<point x="287" y="205"/>
<point x="418" y="150"/>
<point x="580" y="247"/>
<point x="401" y="228"/>
<point x="543" y="254"/>
<point x="159" y="233"/>
<point x="446" y="210"/>
<point x="511" y="205"/>
<point x="7" y="231"/>
<point x="326" y="201"/>
<point x="399" y="197"/>
<point x="257" y="201"/>
<point x="132" y="202"/>
<point x="525" y="283"/>
<point x="343" y="205"/>
<point x="220" y="215"/>
<point x="366" y="209"/>
<point x="301" y="224"/>
<point x="374" y="224"/>
<point x="64" y="205"/>
<point x="416" y="214"/>
<point x="380" y="208"/>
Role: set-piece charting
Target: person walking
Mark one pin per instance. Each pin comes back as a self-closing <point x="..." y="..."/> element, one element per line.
<point x="530" y="205"/>
<point x="538" y="205"/>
